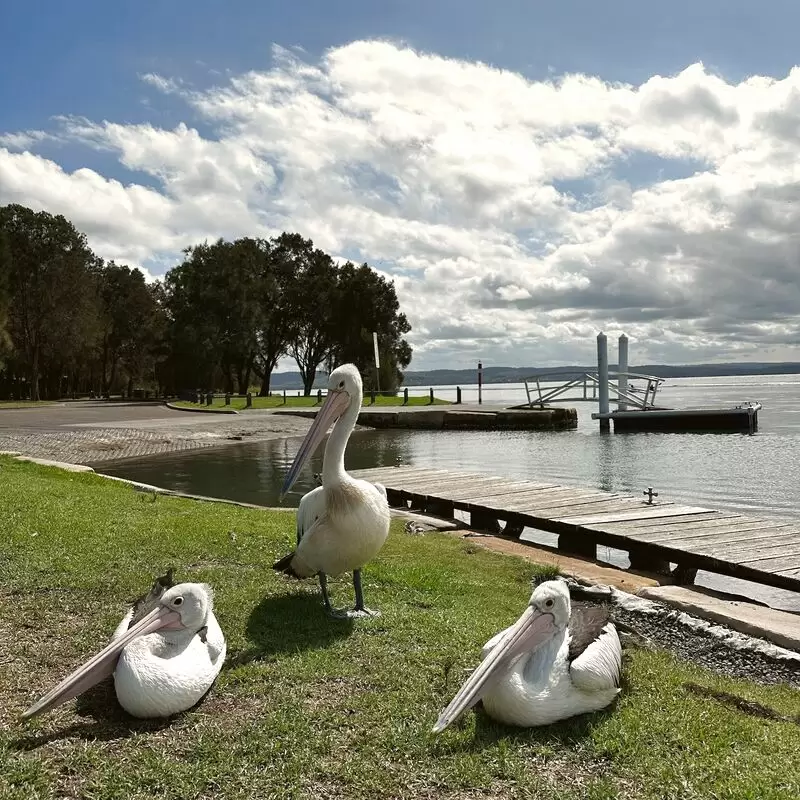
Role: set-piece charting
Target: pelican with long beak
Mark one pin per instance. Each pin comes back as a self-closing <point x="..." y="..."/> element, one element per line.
<point x="164" y="655"/>
<point x="554" y="662"/>
<point x="343" y="523"/>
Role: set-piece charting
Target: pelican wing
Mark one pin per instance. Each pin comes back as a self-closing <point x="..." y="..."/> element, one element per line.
<point x="311" y="508"/>
<point x="585" y="624"/>
<point x="598" y="667"/>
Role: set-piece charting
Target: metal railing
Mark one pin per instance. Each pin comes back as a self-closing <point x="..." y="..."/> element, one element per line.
<point x="587" y="384"/>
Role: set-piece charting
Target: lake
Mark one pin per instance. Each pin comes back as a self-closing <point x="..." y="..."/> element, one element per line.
<point x="757" y="474"/>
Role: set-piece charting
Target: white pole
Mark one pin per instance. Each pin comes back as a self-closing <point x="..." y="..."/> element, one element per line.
<point x="602" y="375"/>
<point x="622" y="366"/>
<point x="377" y="361"/>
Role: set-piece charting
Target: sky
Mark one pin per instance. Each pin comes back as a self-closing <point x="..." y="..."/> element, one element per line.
<point x="527" y="173"/>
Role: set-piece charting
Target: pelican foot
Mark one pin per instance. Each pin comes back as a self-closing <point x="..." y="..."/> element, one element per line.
<point x="352" y="613"/>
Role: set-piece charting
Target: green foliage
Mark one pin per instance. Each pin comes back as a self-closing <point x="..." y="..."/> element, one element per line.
<point x="227" y="313"/>
<point x="310" y="707"/>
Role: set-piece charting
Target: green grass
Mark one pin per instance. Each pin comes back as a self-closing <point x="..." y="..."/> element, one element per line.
<point x="292" y="401"/>
<point x="310" y="707"/>
<point x="24" y="403"/>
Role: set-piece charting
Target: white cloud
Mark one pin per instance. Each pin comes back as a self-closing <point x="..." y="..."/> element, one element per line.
<point x="514" y="215"/>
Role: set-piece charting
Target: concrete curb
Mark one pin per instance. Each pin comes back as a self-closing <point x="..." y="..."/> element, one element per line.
<point x="205" y="410"/>
<point x="763" y="622"/>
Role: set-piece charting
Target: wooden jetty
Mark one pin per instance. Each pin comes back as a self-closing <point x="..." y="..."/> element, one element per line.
<point x="654" y="533"/>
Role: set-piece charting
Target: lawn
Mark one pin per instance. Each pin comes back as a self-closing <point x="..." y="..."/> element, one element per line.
<point x="310" y="707"/>
<point x="24" y="403"/>
<point x="293" y="401"/>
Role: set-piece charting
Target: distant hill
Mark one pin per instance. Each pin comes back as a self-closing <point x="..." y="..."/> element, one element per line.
<point x="454" y="377"/>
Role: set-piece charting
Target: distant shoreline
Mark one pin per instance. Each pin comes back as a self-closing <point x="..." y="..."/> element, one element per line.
<point x="454" y="377"/>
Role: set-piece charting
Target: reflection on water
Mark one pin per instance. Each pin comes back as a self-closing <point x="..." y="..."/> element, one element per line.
<point x="758" y="474"/>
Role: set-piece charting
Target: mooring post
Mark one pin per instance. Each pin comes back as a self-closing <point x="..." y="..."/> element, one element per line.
<point x="602" y="376"/>
<point x="405" y="396"/>
<point x="622" y="367"/>
<point x="284" y="396"/>
<point x="319" y="395"/>
<point x="480" y="383"/>
<point x="249" y="400"/>
<point x="458" y="395"/>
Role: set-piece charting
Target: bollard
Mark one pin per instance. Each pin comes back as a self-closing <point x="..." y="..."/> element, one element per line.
<point x="227" y="398"/>
<point x="319" y="395"/>
<point x="249" y="400"/>
<point x="405" y="396"/>
<point x="209" y="398"/>
<point x="284" y="396"/>
<point x="458" y="395"/>
<point x="431" y="395"/>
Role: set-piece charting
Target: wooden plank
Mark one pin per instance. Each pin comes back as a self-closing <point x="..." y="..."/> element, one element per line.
<point x="744" y="550"/>
<point x="728" y="539"/>
<point x="396" y="476"/>
<point x="699" y="534"/>
<point x="529" y="503"/>
<point x="577" y="508"/>
<point x="422" y="480"/>
<point x="470" y="490"/>
<point x="588" y="500"/>
<point x="781" y="563"/>
<point x="549" y="497"/>
<point x="503" y="495"/>
<point x="655" y="511"/>
<point x="790" y="573"/>
<point x="692" y="520"/>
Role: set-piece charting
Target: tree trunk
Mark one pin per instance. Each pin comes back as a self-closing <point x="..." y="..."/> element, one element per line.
<point x="244" y="386"/>
<point x="265" y="381"/>
<point x="35" y="374"/>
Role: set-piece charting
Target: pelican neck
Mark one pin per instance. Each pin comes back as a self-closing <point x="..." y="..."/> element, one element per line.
<point x="333" y="470"/>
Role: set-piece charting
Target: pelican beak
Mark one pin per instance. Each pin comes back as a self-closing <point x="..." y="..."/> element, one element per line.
<point x="527" y="634"/>
<point x="336" y="403"/>
<point x="103" y="663"/>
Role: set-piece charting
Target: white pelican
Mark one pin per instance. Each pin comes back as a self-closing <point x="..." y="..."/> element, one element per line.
<point x="554" y="662"/>
<point x="164" y="655"/>
<point x="343" y="523"/>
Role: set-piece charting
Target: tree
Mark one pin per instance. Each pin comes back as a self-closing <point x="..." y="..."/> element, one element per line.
<point x="312" y="302"/>
<point x="213" y="299"/>
<point x="51" y="312"/>
<point x="130" y="324"/>
<point x="5" y="298"/>
<point x="367" y="302"/>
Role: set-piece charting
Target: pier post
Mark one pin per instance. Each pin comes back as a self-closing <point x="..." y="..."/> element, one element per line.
<point x="480" y="383"/>
<point x="602" y="376"/>
<point x="622" y="367"/>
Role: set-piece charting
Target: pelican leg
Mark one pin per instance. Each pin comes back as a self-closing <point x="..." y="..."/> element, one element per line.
<point x="361" y="610"/>
<point x="323" y="585"/>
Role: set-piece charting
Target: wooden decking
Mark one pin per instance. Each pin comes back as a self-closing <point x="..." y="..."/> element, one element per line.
<point x="766" y="551"/>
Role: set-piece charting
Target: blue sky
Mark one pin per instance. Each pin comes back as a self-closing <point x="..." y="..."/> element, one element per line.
<point x="83" y="57"/>
<point x="617" y="217"/>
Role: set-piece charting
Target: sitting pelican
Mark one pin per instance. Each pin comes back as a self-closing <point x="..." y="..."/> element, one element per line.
<point x="164" y="655"/>
<point x="554" y="662"/>
<point x="343" y="523"/>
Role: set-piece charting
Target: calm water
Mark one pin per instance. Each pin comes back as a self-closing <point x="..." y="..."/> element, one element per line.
<point x="758" y="474"/>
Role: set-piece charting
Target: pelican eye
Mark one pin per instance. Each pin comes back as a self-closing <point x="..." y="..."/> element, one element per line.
<point x="548" y="603"/>
<point x="341" y="384"/>
<point x="177" y="601"/>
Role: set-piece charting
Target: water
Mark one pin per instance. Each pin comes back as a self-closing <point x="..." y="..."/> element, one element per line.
<point x="755" y="474"/>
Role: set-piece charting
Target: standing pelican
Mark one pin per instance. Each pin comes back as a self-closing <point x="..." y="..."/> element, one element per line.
<point x="164" y="655"/>
<point x="343" y="523"/>
<point x="549" y="665"/>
